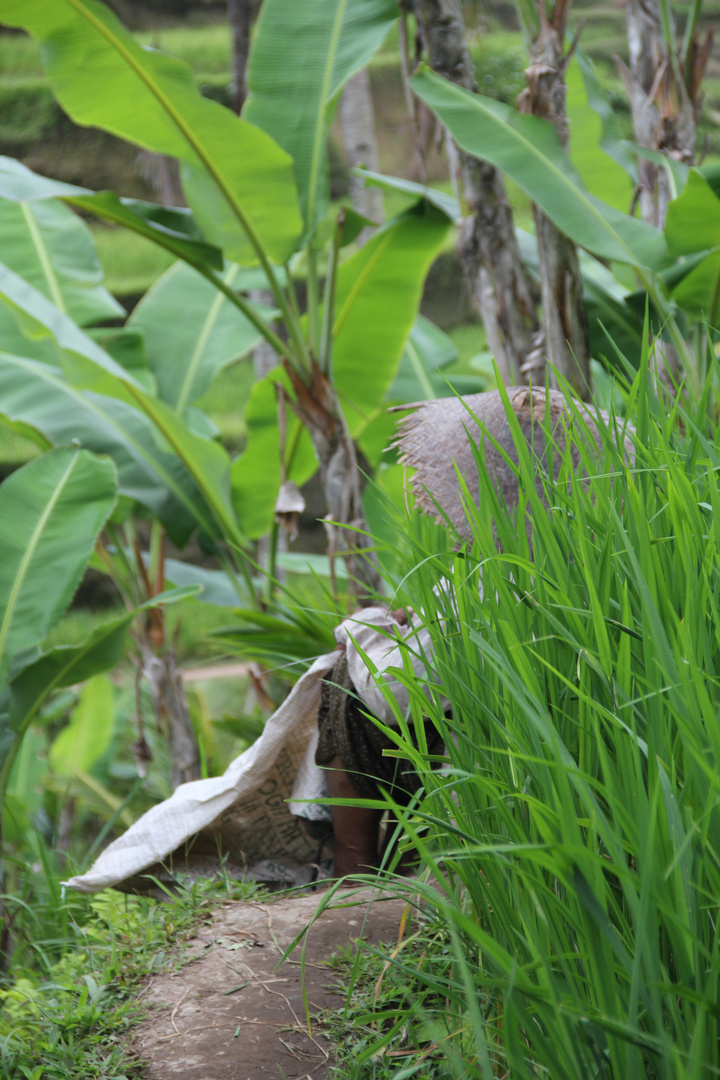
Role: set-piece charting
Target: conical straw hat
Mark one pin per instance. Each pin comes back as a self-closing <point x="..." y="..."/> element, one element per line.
<point x="439" y="434"/>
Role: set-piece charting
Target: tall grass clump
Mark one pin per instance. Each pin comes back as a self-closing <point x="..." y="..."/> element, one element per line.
<point x="572" y="839"/>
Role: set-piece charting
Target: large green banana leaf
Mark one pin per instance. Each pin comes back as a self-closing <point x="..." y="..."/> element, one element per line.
<point x="699" y="291"/>
<point x="589" y="133"/>
<point x="66" y="665"/>
<point x="186" y="353"/>
<point x="302" y="55"/>
<point x="692" y="226"/>
<point x="449" y="205"/>
<point x="40" y="396"/>
<point x="40" y="322"/>
<point x="238" y="181"/>
<point x="51" y="511"/>
<point x="255" y="474"/>
<point x="427" y="350"/>
<point x="693" y="219"/>
<point x="25" y="794"/>
<point x="528" y="150"/>
<point x="211" y="586"/>
<point x="206" y="461"/>
<point x="170" y="227"/>
<point x="88" y="734"/>
<point x="87" y="366"/>
<point x="611" y="133"/>
<point x="377" y="298"/>
<point x="50" y="247"/>
<point x="128" y="348"/>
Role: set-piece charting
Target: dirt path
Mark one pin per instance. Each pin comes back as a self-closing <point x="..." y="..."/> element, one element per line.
<point x="235" y="670"/>
<point x="228" y="1015"/>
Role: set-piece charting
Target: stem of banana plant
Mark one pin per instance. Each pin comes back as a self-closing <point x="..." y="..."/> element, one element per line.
<point x="292" y="323"/>
<point x="312" y="299"/>
<point x="292" y="293"/>
<point x="272" y="563"/>
<point x="120" y="580"/>
<point x="281" y="347"/>
<point x="326" y="339"/>
<point x="275" y="529"/>
<point x="666" y="20"/>
<point x="301" y="343"/>
<point x="249" y="594"/>
<point x="122" y="559"/>
<point x="155" y="548"/>
<point x="690" y="25"/>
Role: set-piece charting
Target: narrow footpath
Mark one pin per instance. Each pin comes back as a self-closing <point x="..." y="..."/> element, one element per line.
<point x="228" y="1014"/>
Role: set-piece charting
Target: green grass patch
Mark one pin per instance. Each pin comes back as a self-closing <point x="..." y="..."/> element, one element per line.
<point x="68" y="1003"/>
<point x="19" y="56"/>
<point x="28" y="111"/>
<point x="563" y="838"/>
<point x="205" y="48"/>
<point x="386" y="1025"/>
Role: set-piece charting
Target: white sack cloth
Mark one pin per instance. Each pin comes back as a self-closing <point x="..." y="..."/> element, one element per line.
<point x="373" y="631"/>
<point x="244" y="811"/>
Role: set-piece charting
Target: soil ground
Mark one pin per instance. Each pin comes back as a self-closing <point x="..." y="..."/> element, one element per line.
<point x="228" y="1014"/>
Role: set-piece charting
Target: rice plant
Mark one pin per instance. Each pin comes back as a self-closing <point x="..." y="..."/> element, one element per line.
<point x="572" y="838"/>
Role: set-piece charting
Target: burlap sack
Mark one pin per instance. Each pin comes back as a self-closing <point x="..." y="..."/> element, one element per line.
<point x="243" y="814"/>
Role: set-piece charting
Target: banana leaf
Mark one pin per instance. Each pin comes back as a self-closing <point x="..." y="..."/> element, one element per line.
<point x="187" y="353"/>
<point x="51" y="511"/>
<point x="529" y="151"/>
<point x="48" y="245"/>
<point x="238" y="181"/>
<point x="39" y="396"/>
<point x="172" y="228"/>
<point x="302" y="55"/>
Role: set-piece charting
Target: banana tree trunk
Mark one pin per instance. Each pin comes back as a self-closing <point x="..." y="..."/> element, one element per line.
<point x="157" y="663"/>
<point x="318" y="409"/>
<point x="499" y="285"/>
<point x="171" y="709"/>
<point x="665" y="99"/>
<point x="239" y="17"/>
<point x="163" y="173"/>
<point x="565" y="335"/>
<point x="665" y="96"/>
<point x="357" y="118"/>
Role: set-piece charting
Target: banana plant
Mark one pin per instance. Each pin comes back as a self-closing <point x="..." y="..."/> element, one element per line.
<point x="257" y="189"/>
<point x="527" y="149"/>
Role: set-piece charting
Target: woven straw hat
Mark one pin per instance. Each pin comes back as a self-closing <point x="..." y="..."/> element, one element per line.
<point x="439" y="434"/>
